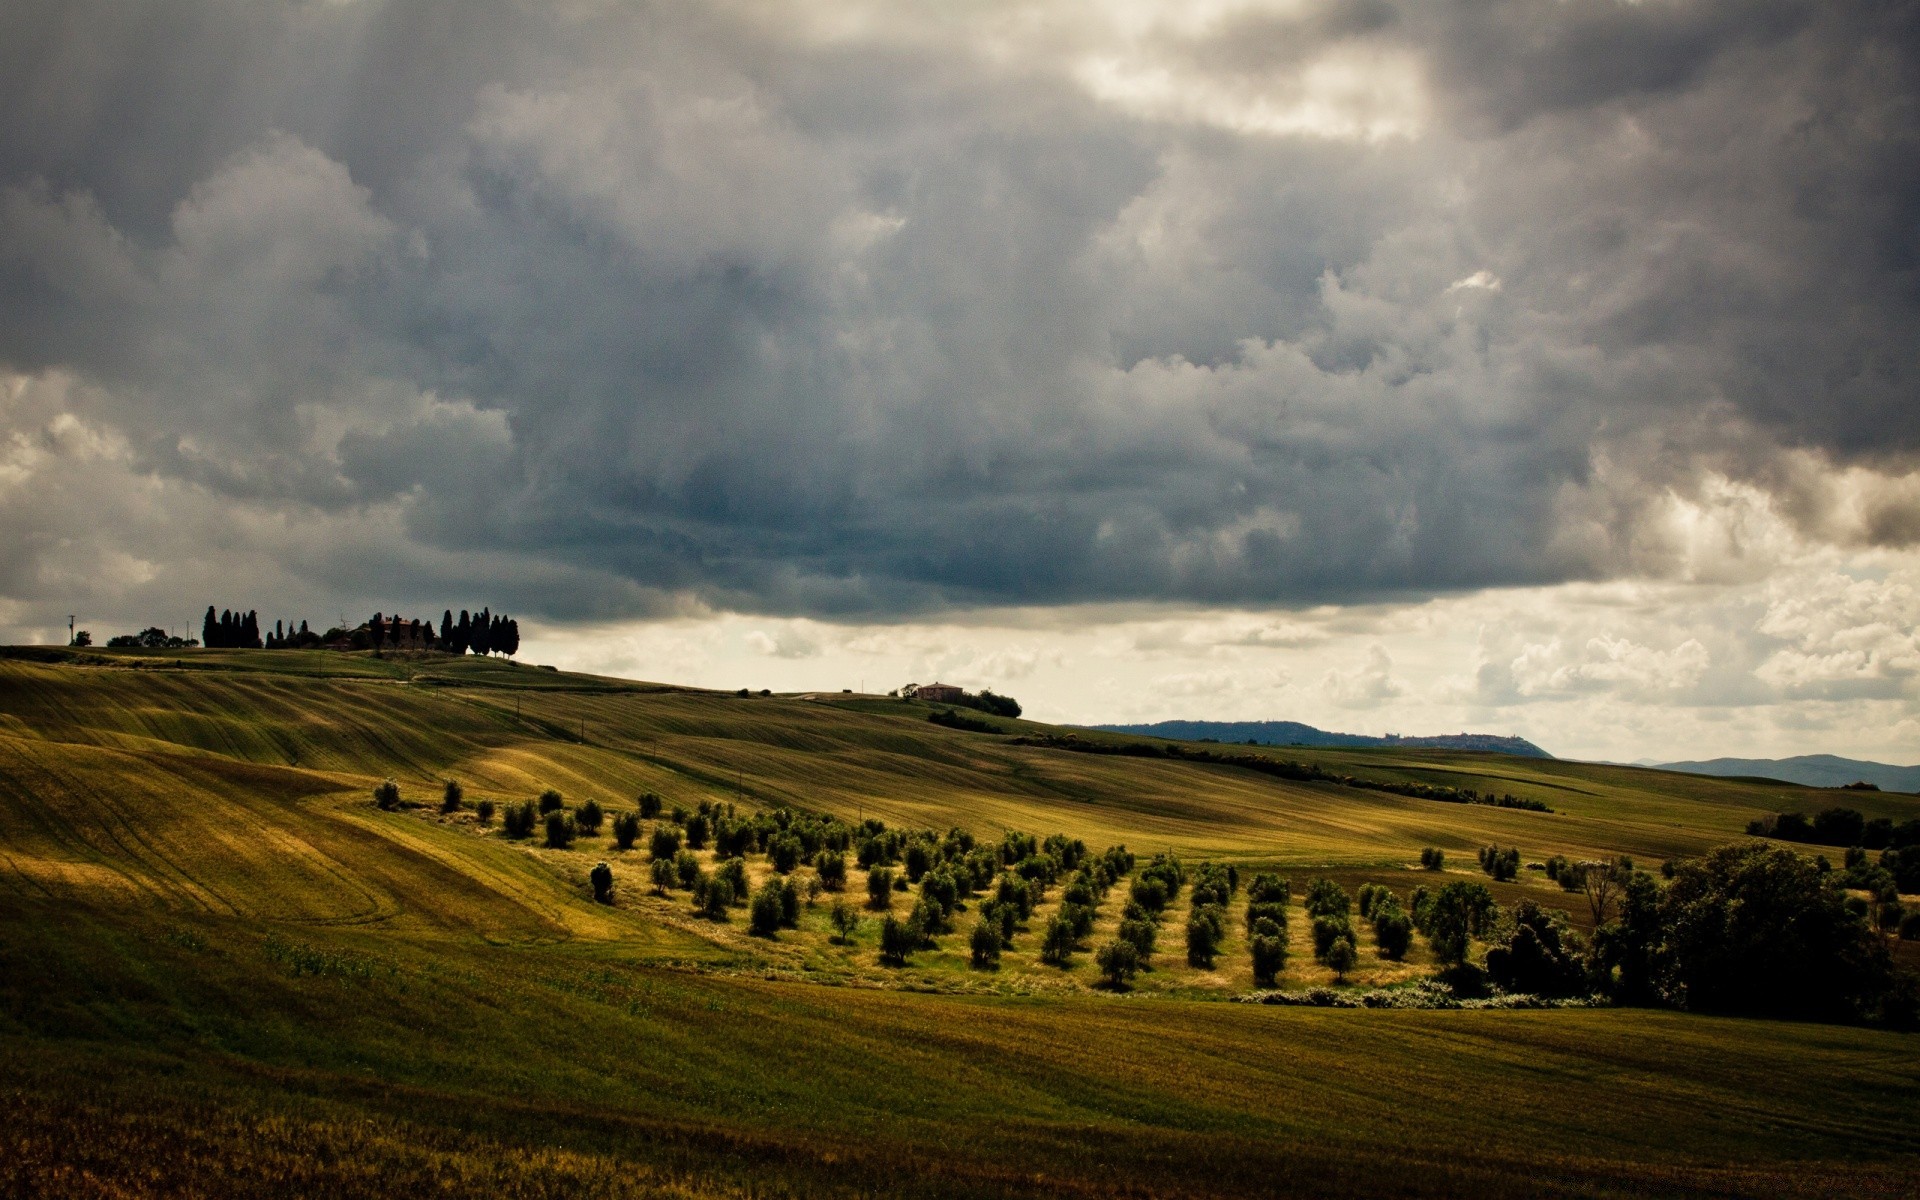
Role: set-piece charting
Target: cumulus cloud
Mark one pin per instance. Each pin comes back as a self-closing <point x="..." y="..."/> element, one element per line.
<point x="1368" y="685"/>
<point x="852" y="311"/>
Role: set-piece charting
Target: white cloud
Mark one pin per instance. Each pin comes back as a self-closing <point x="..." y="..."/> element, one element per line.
<point x="1368" y="685"/>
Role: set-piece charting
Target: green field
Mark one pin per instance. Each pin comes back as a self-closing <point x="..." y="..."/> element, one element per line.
<point x="224" y="971"/>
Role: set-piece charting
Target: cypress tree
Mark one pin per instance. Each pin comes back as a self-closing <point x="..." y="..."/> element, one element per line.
<point x="377" y="628"/>
<point x="209" y="629"/>
<point x="463" y="633"/>
<point x="250" y="631"/>
<point x="482" y="632"/>
<point x="446" y="629"/>
<point x="513" y="637"/>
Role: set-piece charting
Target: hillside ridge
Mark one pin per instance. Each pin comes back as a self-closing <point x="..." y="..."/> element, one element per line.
<point x="1810" y="770"/>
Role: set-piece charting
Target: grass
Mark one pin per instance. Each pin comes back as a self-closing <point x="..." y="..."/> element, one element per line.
<point x="223" y="971"/>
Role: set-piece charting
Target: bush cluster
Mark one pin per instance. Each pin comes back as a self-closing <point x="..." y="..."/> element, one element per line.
<point x="1501" y="865"/>
<point x="518" y="820"/>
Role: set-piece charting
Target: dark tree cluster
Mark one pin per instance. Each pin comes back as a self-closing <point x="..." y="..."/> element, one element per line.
<point x="151" y="638"/>
<point x="1392" y="927"/>
<point x="483" y="632"/>
<point x="1838" y="827"/>
<point x="1502" y="865"/>
<point x="230" y="630"/>
<point x="984" y="701"/>
<point x="1750" y="928"/>
<point x="1282" y="768"/>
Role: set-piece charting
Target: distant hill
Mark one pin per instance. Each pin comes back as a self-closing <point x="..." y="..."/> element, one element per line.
<point x="1813" y="770"/>
<point x="1293" y="733"/>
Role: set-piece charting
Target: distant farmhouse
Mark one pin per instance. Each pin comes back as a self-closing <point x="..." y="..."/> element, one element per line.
<point x="938" y="693"/>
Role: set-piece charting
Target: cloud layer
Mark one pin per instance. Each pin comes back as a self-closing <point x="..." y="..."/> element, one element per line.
<point x="847" y="310"/>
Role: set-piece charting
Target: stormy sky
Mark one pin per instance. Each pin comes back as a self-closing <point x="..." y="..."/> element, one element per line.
<point x="1537" y="367"/>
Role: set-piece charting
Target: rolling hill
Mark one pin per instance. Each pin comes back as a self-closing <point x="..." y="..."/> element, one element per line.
<point x="1810" y="770"/>
<point x="224" y="971"/>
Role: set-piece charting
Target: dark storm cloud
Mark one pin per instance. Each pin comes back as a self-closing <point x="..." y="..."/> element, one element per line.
<point x="620" y="303"/>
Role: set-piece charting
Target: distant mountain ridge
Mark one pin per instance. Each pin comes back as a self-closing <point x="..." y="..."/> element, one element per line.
<point x="1813" y="770"/>
<point x="1293" y="733"/>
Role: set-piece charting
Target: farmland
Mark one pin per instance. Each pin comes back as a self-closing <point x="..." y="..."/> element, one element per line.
<point x="234" y="972"/>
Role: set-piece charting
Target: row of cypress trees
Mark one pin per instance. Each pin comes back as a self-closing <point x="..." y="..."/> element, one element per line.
<point x="484" y="632"/>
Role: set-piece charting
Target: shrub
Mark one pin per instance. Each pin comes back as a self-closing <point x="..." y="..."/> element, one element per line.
<point x="686" y="868"/>
<point x="1457" y="913"/>
<point x="519" y="820"/>
<point x="550" y="801"/>
<point x="715" y="896"/>
<point x="1501" y="865"/>
<point x="1537" y="954"/>
<point x="1341" y="957"/>
<point x="880" y="889"/>
<point x="1910" y="927"/>
<point x="734" y="871"/>
<point x="626" y="831"/>
<point x="940" y="887"/>
<point x="1266" y="910"/>
<point x="1325" y="898"/>
<point x="789" y="905"/>
<point x="843" y="918"/>
<point x="1119" y="962"/>
<point x="386" y="795"/>
<point x="483" y="809"/>
<point x="1268" y="946"/>
<point x="1079" y="918"/>
<point x="450" y="796"/>
<point x="1889" y="915"/>
<point x="1367" y="895"/>
<point x="1150" y="894"/>
<point x="665" y="842"/>
<point x="1015" y="892"/>
<point x="1327" y="931"/>
<point x="678" y="816"/>
<point x="1057" y="948"/>
<point x="602" y="879"/>
<point x="664" y="876"/>
<point x="1142" y="935"/>
<point x="560" y="830"/>
<point x="831" y="866"/>
<point x="1393" y="931"/>
<point x="985" y="943"/>
<point x="928" y="918"/>
<point x="649" y="806"/>
<point x="784" y="852"/>
<point x="918" y="861"/>
<point x="589" y="818"/>
<point x="1005" y="918"/>
<point x="763" y="918"/>
<point x="1432" y="859"/>
<point x="699" y="828"/>
<point x="1267" y="888"/>
<point x="1203" y="940"/>
<point x="896" y="942"/>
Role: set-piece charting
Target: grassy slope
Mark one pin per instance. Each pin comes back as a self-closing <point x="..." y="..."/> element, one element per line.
<point x="202" y="918"/>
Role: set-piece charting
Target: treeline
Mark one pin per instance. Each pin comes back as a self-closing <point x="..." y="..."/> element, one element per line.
<point x="986" y="700"/>
<point x="484" y="632"/>
<point x="1838" y="827"/>
<point x="1283" y="768"/>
